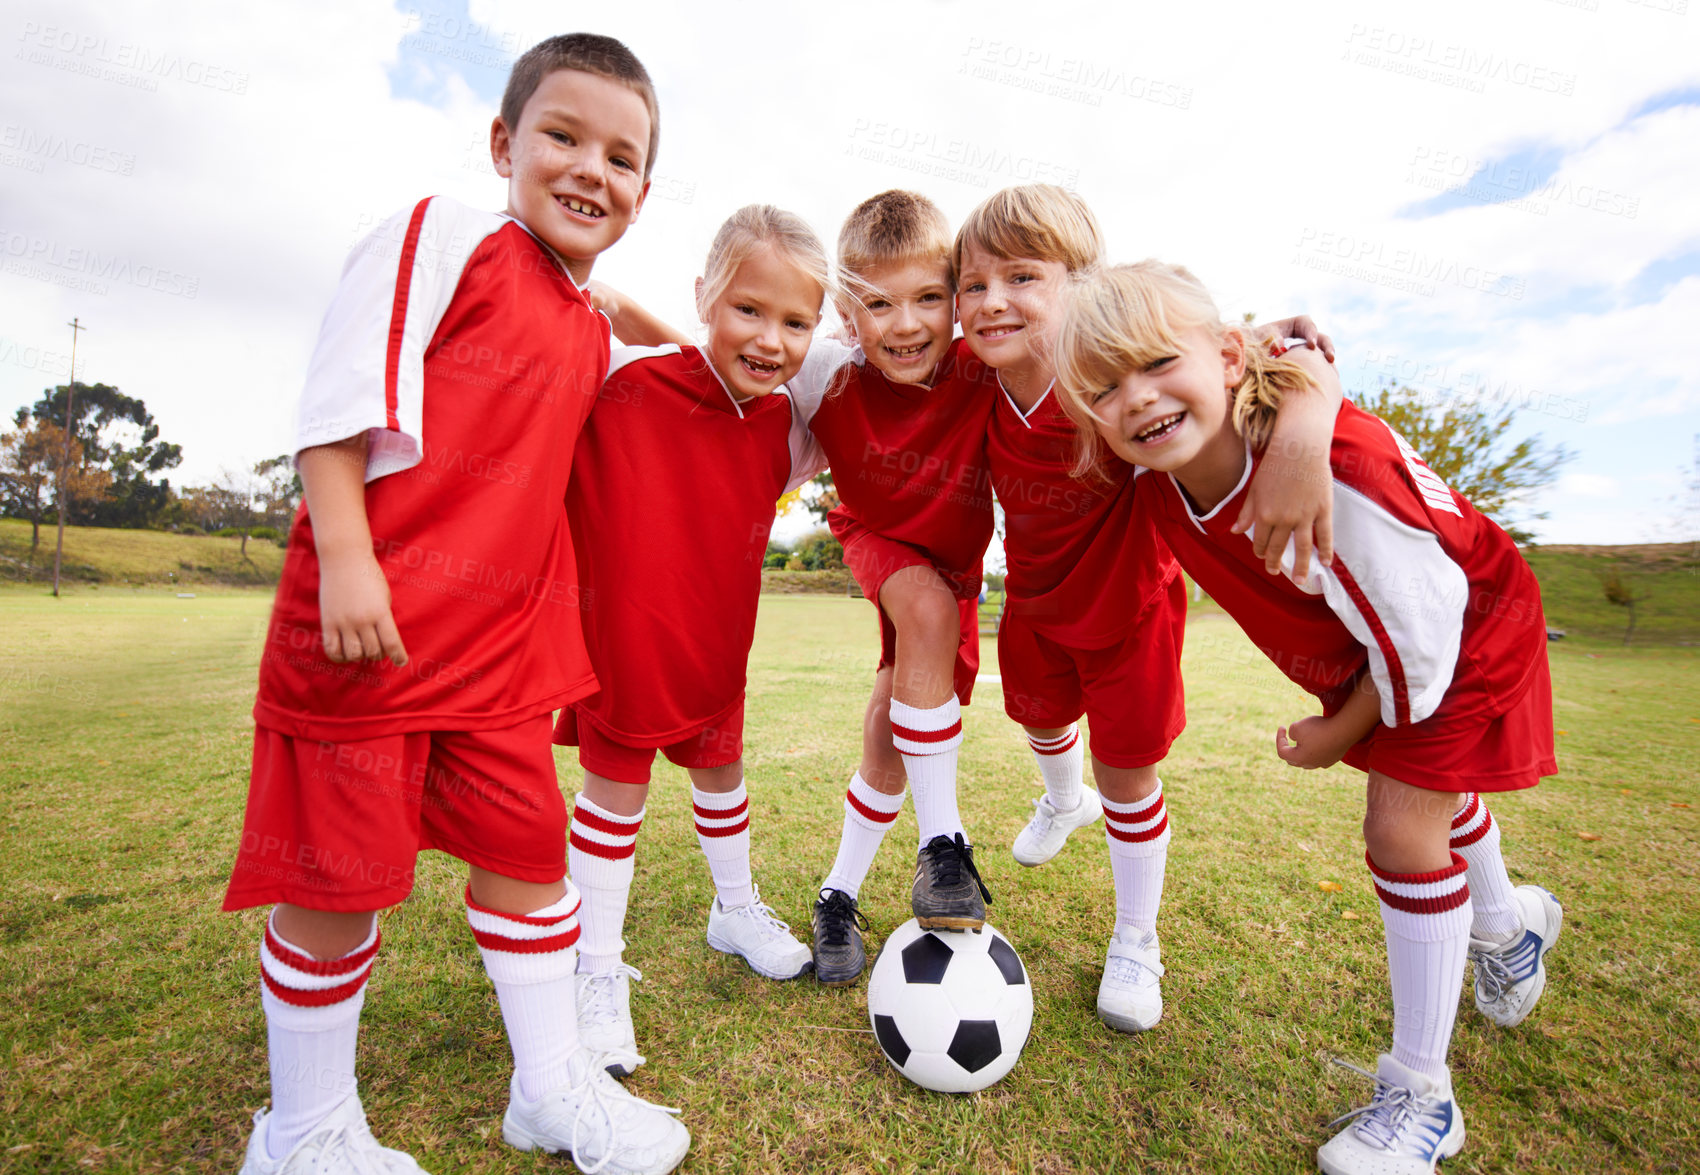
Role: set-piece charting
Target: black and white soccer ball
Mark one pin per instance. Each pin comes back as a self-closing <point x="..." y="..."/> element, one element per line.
<point x="950" y="1008"/>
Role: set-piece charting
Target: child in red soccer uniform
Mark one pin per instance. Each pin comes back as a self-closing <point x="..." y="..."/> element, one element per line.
<point x="1424" y="641"/>
<point x="903" y="430"/>
<point x="427" y="623"/>
<point x="685" y="457"/>
<point x="1064" y="649"/>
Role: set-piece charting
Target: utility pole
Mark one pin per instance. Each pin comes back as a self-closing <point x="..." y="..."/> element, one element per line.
<point x="65" y="458"/>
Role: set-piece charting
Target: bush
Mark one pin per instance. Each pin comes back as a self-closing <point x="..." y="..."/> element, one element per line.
<point x="264" y="532"/>
<point x="190" y="528"/>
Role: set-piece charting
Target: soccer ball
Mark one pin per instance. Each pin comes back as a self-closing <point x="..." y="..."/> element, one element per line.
<point x="950" y="1008"/>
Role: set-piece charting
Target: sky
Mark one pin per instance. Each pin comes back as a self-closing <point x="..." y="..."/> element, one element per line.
<point x="1483" y="202"/>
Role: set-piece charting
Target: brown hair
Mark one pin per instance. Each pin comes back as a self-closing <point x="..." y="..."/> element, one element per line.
<point x="1126" y="317"/>
<point x="1041" y="221"/>
<point x="587" y="53"/>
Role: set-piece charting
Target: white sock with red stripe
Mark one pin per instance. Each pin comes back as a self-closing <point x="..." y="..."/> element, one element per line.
<point x="601" y="851"/>
<point x="1138" y="836"/>
<point x="1475" y="837"/>
<point x="1427" y="920"/>
<point x="312" y="1019"/>
<point x="1062" y="764"/>
<point x="868" y="816"/>
<point x="723" y="831"/>
<point x="928" y="741"/>
<point x="530" y="958"/>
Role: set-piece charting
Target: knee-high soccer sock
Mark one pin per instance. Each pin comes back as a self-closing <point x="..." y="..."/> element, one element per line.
<point x="312" y="1019"/>
<point x="868" y="816"/>
<point x="1062" y="764"/>
<point x="1475" y="837"/>
<point x="530" y="958"/>
<point x="723" y="831"/>
<point x="1427" y="920"/>
<point x="928" y="740"/>
<point x="1138" y="836"/>
<point x="600" y="858"/>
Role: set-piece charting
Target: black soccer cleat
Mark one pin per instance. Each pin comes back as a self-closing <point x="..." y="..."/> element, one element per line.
<point x="948" y="893"/>
<point x="838" y="924"/>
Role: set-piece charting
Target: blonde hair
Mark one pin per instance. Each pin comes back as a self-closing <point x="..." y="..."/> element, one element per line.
<point x="755" y="226"/>
<point x="1127" y="317"/>
<point x="1041" y="221"/>
<point x="894" y="227"/>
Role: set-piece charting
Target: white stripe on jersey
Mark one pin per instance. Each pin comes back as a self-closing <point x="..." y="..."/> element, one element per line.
<point x="1434" y="491"/>
<point x="1416" y="595"/>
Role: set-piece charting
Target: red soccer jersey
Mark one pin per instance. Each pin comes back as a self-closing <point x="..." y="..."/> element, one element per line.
<point x="909" y="462"/>
<point x="1083" y="562"/>
<point x="461" y="347"/>
<point x="1434" y="597"/>
<point x="672" y="501"/>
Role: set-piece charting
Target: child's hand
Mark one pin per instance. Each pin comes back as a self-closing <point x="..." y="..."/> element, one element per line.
<point x="1291" y="497"/>
<point x="606" y="298"/>
<point x="354" y="610"/>
<point x="1292" y="494"/>
<point x="1300" y="327"/>
<point x="1317" y="742"/>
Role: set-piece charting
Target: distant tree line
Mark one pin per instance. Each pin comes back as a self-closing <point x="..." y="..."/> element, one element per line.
<point x="118" y="473"/>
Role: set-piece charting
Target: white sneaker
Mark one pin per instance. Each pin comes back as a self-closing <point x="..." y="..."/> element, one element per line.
<point x="1410" y="1125"/>
<point x="342" y="1144"/>
<point x="605" y="1016"/>
<point x="598" y="1123"/>
<point x="1130" y="996"/>
<point x="1510" y="976"/>
<point x="1044" y="835"/>
<point x="755" y="933"/>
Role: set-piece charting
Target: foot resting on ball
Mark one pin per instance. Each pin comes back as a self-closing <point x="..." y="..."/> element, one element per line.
<point x="948" y="893"/>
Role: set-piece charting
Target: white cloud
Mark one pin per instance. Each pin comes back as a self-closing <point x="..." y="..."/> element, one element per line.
<point x="1214" y="135"/>
<point x="1589" y="485"/>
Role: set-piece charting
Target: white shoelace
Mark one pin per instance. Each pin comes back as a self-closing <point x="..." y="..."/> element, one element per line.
<point x="352" y="1149"/>
<point x="596" y="997"/>
<point x="602" y="1091"/>
<point x="763" y="916"/>
<point x="1390" y="1112"/>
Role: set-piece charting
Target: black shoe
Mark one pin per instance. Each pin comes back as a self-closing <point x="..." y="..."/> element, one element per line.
<point x="948" y="893"/>
<point x="839" y="954"/>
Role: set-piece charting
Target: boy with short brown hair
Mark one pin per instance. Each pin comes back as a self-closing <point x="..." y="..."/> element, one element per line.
<point x="427" y="624"/>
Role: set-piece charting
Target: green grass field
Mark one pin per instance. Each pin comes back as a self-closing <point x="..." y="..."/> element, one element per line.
<point x="131" y="1039"/>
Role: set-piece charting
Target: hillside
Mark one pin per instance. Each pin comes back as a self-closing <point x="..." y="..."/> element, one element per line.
<point x="1665" y="577"/>
<point x="136" y="558"/>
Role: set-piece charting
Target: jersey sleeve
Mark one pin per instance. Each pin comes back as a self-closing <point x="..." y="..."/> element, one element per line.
<point x="367" y="373"/>
<point x="1401" y="595"/>
<point x="807" y="389"/>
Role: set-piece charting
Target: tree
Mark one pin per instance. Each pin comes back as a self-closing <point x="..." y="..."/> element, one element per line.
<point x="117" y="435"/>
<point x="1623" y="595"/>
<point x="278" y="490"/>
<point x="819" y="495"/>
<point x="29" y="466"/>
<point x="1462" y="441"/>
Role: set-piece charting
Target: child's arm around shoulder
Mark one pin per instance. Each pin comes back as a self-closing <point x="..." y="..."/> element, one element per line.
<point x="633" y="325"/>
<point x="354" y="597"/>
<point x="1291" y="496"/>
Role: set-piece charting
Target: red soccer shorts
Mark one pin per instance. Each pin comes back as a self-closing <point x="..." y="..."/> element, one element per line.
<point x="337" y="826"/>
<point x="873" y="559"/>
<point x="1507" y="753"/>
<point x="713" y="744"/>
<point x="1131" y="693"/>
